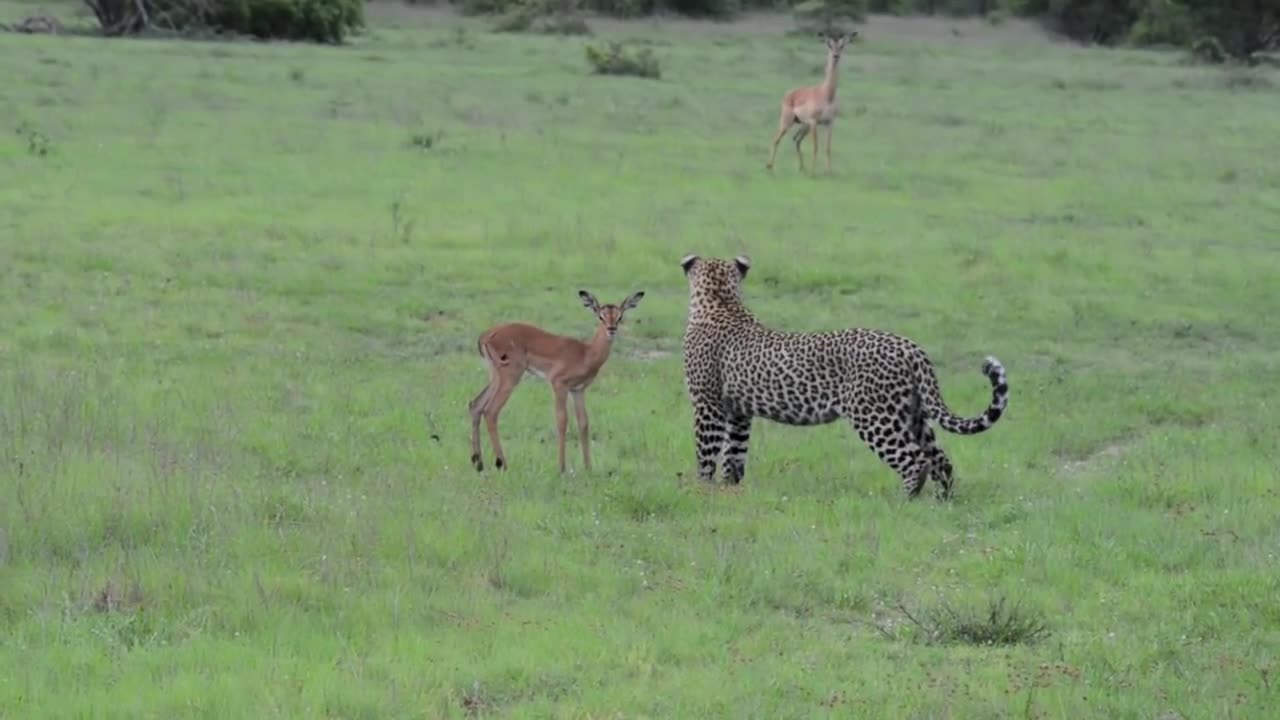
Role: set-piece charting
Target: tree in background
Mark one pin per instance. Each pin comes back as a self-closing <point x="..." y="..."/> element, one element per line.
<point x="831" y="17"/>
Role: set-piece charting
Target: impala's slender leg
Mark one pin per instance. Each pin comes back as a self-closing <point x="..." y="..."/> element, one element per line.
<point x="799" y="138"/>
<point x="491" y="412"/>
<point x="562" y="417"/>
<point x="831" y="128"/>
<point x="584" y="432"/>
<point x="477" y="409"/>
<point x="785" y="121"/>
<point x="814" y="129"/>
<point x="801" y="134"/>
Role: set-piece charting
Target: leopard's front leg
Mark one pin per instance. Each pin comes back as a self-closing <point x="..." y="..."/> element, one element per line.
<point x="709" y="438"/>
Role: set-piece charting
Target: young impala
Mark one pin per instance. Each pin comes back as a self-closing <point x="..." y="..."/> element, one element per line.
<point x="812" y="107"/>
<point x="568" y="364"/>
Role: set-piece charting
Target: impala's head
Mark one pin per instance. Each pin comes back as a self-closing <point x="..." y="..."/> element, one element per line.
<point x="610" y="316"/>
<point x="836" y="43"/>
<point x="712" y="280"/>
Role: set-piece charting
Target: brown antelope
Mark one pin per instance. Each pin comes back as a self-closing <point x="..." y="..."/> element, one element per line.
<point x="812" y="107"/>
<point x="568" y="364"/>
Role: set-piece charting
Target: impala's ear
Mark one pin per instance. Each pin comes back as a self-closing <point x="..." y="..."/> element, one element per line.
<point x="633" y="301"/>
<point x="589" y="301"/>
<point x="687" y="262"/>
<point x="744" y="264"/>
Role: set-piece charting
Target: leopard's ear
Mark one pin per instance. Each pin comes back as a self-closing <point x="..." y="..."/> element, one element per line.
<point x="687" y="262"/>
<point x="744" y="264"/>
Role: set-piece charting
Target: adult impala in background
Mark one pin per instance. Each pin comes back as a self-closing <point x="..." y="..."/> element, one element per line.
<point x="812" y="107"/>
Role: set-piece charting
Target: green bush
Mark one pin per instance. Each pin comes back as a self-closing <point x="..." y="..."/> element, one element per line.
<point x="1242" y="28"/>
<point x="958" y="8"/>
<point x="1105" y="22"/>
<point x="486" y="7"/>
<point x="618" y="8"/>
<point x="324" y="21"/>
<point x="832" y="17"/>
<point x="617" y="60"/>
<point x="706" y="8"/>
<point x="1239" y="28"/>
<point x="1163" y="22"/>
<point x="550" y="17"/>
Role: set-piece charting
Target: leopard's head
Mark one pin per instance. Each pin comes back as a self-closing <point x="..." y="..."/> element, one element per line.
<point x="714" y="282"/>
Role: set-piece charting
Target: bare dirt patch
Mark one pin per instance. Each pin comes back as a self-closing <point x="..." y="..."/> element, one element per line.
<point x="1080" y="465"/>
<point x="651" y="354"/>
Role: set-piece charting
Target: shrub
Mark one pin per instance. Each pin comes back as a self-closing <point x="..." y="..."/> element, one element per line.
<point x="1243" y="28"/>
<point x="617" y="60"/>
<point x="999" y="623"/>
<point x="1163" y="22"/>
<point x="1240" y="28"/>
<point x="551" y="17"/>
<point x="485" y="7"/>
<point x="832" y="17"/>
<point x="566" y="25"/>
<point x="623" y="8"/>
<point x="959" y="8"/>
<point x="721" y="9"/>
<point x="1208" y="50"/>
<point x="1100" y="21"/>
<point x="515" y="21"/>
<point x="325" y="21"/>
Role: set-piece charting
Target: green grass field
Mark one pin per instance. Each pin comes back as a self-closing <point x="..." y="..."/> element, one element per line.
<point x="241" y="287"/>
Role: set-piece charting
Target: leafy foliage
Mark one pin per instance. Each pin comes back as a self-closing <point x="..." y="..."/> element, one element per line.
<point x="323" y="21"/>
<point x="551" y="17"/>
<point x="615" y="59"/>
<point x="1244" y="28"/>
<point x="829" y="16"/>
<point x="1237" y="28"/>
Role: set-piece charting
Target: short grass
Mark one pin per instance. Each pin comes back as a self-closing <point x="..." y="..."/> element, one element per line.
<point x="241" y="286"/>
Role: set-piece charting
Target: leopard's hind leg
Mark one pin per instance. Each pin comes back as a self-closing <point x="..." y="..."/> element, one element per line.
<point x="939" y="465"/>
<point x="896" y="438"/>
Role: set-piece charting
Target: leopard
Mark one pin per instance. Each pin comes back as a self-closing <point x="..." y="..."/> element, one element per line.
<point x="737" y="369"/>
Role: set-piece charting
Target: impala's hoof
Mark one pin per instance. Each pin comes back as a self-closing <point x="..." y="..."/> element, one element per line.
<point x="500" y="464"/>
<point x="477" y="463"/>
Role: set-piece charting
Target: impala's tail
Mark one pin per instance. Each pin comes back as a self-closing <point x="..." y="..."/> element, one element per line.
<point x="974" y="425"/>
<point x="483" y="398"/>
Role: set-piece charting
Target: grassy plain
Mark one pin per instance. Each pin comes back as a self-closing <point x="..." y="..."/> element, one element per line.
<point x="240" y="286"/>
